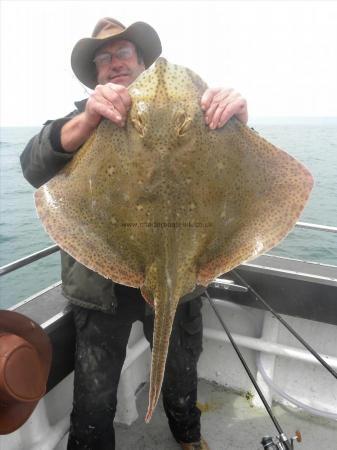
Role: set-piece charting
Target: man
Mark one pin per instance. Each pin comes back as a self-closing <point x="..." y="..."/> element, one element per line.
<point x="104" y="311"/>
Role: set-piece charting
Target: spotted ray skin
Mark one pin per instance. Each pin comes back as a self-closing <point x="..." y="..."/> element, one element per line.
<point x="165" y="203"/>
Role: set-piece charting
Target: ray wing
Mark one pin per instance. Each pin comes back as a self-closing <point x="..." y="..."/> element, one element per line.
<point x="257" y="193"/>
<point x="87" y="206"/>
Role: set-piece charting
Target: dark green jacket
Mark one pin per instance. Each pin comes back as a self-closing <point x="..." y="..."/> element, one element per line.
<point x="42" y="158"/>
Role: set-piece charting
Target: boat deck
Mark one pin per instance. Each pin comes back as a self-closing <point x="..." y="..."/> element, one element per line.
<point x="229" y="422"/>
<point x="305" y="295"/>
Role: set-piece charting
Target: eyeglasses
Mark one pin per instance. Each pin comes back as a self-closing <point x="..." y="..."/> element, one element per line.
<point x="122" y="54"/>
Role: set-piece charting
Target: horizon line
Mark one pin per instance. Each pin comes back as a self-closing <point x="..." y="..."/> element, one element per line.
<point x="251" y="119"/>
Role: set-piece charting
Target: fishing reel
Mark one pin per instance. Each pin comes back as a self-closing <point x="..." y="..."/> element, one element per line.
<point x="280" y="442"/>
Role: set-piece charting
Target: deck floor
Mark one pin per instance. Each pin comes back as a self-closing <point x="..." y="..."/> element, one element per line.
<point x="229" y="422"/>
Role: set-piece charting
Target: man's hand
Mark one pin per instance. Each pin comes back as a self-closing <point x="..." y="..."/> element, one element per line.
<point x="221" y="104"/>
<point x="111" y="101"/>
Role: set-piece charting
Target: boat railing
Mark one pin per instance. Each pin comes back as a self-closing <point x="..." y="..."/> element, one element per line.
<point x="28" y="259"/>
<point x="54" y="248"/>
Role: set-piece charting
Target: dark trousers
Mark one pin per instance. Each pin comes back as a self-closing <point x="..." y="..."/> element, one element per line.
<point x="101" y="341"/>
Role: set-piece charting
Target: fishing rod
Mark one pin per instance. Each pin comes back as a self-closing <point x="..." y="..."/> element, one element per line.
<point x="289" y="328"/>
<point x="281" y="441"/>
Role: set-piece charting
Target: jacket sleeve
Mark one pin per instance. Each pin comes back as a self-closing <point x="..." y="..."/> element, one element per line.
<point x="44" y="156"/>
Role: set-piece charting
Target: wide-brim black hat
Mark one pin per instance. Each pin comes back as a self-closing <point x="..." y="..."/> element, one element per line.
<point x="107" y="30"/>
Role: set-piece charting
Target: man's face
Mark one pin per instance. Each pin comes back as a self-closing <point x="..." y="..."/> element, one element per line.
<point x="117" y="62"/>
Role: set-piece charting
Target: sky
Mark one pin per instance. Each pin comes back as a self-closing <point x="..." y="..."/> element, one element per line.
<point x="280" y="55"/>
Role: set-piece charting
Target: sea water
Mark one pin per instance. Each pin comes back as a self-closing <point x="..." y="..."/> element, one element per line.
<point x="312" y="141"/>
